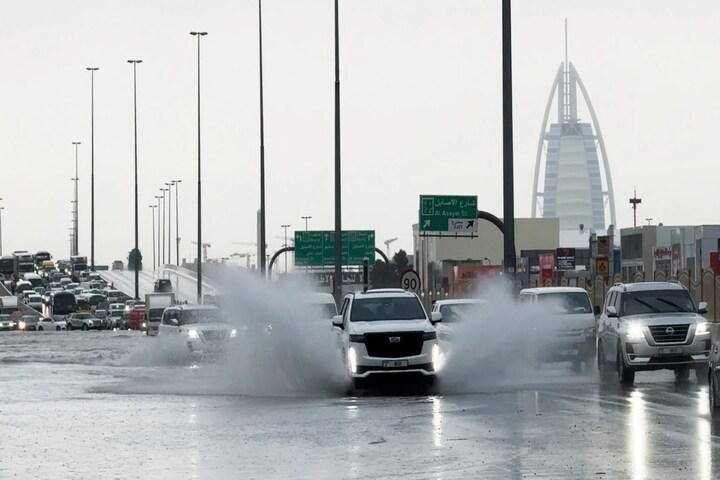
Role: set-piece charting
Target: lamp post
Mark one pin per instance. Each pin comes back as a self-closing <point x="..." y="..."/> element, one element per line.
<point x="337" y="283"/>
<point x="199" y="221"/>
<point x="75" y="248"/>
<point x="158" y="197"/>
<point x="137" y="251"/>
<point x="177" y="226"/>
<point x="263" y="242"/>
<point x="92" y="71"/>
<point x="169" y="231"/>
<point x="152" y="209"/>
<point x="509" y="254"/>
<point x="306" y="222"/>
<point x="164" y="210"/>
<point x="285" y="255"/>
<point x="1" y="209"/>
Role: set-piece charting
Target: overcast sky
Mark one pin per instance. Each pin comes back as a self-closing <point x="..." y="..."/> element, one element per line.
<point x="421" y="111"/>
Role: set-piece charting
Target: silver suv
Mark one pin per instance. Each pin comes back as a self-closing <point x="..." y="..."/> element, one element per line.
<point x="652" y="326"/>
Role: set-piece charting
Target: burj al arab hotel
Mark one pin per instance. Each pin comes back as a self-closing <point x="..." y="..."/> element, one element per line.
<point x="575" y="189"/>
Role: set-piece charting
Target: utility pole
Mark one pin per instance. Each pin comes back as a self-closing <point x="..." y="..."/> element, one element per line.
<point x="508" y="179"/>
<point x="92" y="71"/>
<point x="285" y="254"/>
<point x="76" y="243"/>
<point x="635" y="202"/>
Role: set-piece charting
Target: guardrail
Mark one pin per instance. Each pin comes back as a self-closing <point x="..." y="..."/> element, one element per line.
<point x="189" y="274"/>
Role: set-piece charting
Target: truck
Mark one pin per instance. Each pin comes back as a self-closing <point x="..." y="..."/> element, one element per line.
<point x="24" y="263"/>
<point x="78" y="263"/>
<point x="8" y="305"/>
<point x="7" y="267"/>
<point x="155" y="305"/>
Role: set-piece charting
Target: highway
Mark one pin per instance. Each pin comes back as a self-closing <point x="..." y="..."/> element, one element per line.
<point x="184" y="285"/>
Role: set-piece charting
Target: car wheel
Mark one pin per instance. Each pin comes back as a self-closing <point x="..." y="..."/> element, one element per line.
<point x="360" y="383"/>
<point x="40" y="329"/>
<point x="701" y="375"/>
<point x="69" y="327"/>
<point x="682" y="374"/>
<point x="57" y="328"/>
<point x="626" y="375"/>
<point x="85" y="327"/>
<point x="712" y="385"/>
<point x="603" y="369"/>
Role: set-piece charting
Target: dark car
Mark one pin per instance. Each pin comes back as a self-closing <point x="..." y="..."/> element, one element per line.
<point x="118" y="265"/>
<point x="163" y="285"/>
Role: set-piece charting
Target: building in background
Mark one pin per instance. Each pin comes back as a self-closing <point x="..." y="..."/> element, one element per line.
<point x="574" y="188"/>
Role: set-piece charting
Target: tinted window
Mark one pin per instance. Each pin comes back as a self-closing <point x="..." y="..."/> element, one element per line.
<point x="456" y="311"/>
<point x="656" y="301"/>
<point x="386" y="308"/>
<point x="570" y="302"/>
<point x="209" y="315"/>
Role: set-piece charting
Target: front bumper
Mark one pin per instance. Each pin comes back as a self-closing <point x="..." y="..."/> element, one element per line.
<point x="569" y="349"/>
<point x="639" y="355"/>
<point x="367" y="366"/>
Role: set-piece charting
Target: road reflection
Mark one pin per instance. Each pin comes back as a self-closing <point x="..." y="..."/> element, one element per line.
<point x="703" y="433"/>
<point x="637" y="435"/>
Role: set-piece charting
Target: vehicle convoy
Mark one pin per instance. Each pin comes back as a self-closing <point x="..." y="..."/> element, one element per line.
<point x="155" y="305"/>
<point x="385" y="333"/>
<point x="572" y="317"/>
<point x="194" y="332"/>
<point x="652" y="326"/>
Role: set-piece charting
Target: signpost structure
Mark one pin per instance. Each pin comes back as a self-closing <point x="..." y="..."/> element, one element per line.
<point x="455" y="214"/>
<point x="316" y="248"/>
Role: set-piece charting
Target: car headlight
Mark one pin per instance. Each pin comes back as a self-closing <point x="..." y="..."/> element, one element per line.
<point x="90" y="322"/>
<point x="352" y="360"/>
<point x="635" y="331"/>
<point x="144" y="325"/>
<point x="436" y="357"/>
<point x="233" y="333"/>
<point x="193" y="334"/>
<point x="702" y="328"/>
<point x="21" y="325"/>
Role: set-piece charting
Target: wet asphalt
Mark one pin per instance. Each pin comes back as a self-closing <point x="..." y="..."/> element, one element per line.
<point x="82" y="405"/>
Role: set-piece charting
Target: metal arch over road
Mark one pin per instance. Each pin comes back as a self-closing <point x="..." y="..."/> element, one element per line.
<point x="292" y="249"/>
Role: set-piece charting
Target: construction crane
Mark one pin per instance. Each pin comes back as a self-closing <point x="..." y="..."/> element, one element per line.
<point x="243" y="255"/>
<point x="387" y="245"/>
<point x="204" y="246"/>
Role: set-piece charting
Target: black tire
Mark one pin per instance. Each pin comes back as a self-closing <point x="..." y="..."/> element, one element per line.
<point x="603" y="369"/>
<point x="58" y="328"/>
<point x="626" y="375"/>
<point x="360" y="383"/>
<point x="40" y="329"/>
<point x="712" y="398"/>
<point x="682" y="374"/>
<point x="69" y="327"/>
<point x="85" y="327"/>
<point x="701" y="374"/>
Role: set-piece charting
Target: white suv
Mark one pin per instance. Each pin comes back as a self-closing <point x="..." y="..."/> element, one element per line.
<point x="652" y="326"/>
<point x="387" y="332"/>
<point x="195" y="332"/>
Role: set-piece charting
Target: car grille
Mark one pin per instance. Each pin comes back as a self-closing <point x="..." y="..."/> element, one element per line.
<point x="669" y="333"/>
<point x="215" y="335"/>
<point x="379" y="344"/>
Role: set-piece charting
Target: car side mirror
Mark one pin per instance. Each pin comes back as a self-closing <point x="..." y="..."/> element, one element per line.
<point x="174" y="322"/>
<point x="337" y="321"/>
<point x="435" y="317"/>
<point x="596" y="310"/>
<point x="702" y="307"/>
<point x="612" y="311"/>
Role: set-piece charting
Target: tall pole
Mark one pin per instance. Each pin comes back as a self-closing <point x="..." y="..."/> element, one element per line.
<point x="164" y="212"/>
<point x="306" y="222"/>
<point x="1" y="209"/>
<point x="169" y="231"/>
<point x="158" y="197"/>
<point x="137" y="250"/>
<point x="92" y="166"/>
<point x="285" y="255"/>
<point x="177" y="225"/>
<point x="76" y="242"/>
<point x="152" y="208"/>
<point x="199" y="225"/>
<point x="337" y="283"/>
<point x="508" y="188"/>
<point x="262" y="150"/>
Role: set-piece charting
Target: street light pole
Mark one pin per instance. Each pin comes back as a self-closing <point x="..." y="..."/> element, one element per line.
<point x="152" y="209"/>
<point x="164" y="210"/>
<point x="177" y="227"/>
<point x="92" y="71"/>
<point x="285" y="255"/>
<point x="337" y="283"/>
<point x="169" y="231"/>
<point x="508" y="187"/>
<point x="137" y="250"/>
<point x="1" y="209"/>
<point x="75" y="219"/>
<point x="306" y="222"/>
<point x="199" y="226"/>
<point x="262" y="150"/>
<point x="158" y="197"/>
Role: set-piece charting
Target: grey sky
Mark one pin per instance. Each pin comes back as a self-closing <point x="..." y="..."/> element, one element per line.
<point x="421" y="111"/>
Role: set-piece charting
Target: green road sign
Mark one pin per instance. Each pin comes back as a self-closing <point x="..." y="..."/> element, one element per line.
<point x="316" y="248"/>
<point x="448" y="213"/>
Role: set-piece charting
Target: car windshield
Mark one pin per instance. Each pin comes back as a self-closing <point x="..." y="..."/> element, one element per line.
<point x="323" y="310"/>
<point x="457" y="311"/>
<point x="205" y="315"/>
<point x="386" y="308"/>
<point x="570" y="302"/>
<point x="656" y="301"/>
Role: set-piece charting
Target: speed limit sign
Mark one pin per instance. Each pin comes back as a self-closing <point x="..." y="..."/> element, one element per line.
<point x="410" y="280"/>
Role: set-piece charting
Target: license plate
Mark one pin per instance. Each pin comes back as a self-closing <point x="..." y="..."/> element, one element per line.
<point x="670" y="350"/>
<point x="395" y="363"/>
<point x="569" y="352"/>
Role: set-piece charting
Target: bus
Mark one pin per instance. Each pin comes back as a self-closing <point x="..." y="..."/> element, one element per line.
<point x="78" y="263"/>
<point x="7" y="266"/>
<point x="24" y="263"/>
<point x="58" y="305"/>
<point x="41" y="257"/>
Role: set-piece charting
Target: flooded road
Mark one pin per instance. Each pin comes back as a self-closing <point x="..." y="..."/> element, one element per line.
<point x="102" y="405"/>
